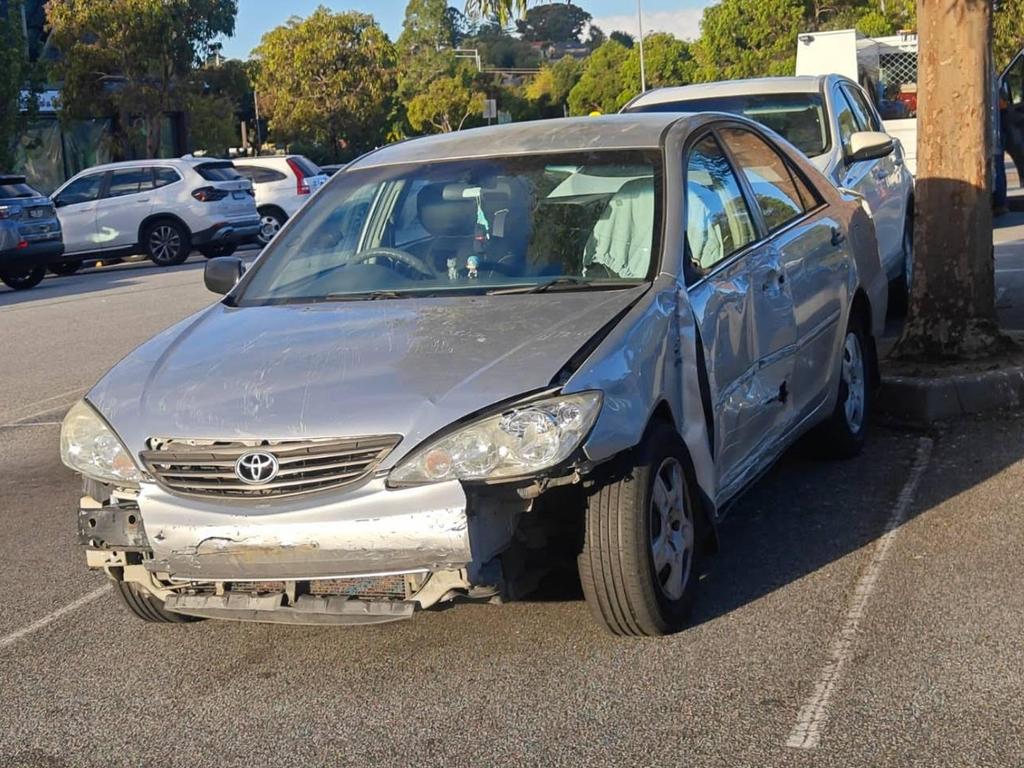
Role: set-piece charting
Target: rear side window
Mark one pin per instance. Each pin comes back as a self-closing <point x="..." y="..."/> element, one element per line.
<point x="218" y="172"/>
<point x="130" y="181"/>
<point x="260" y="175"/>
<point x="163" y="177"/>
<point x="718" y="222"/>
<point x="308" y="166"/>
<point x="768" y="175"/>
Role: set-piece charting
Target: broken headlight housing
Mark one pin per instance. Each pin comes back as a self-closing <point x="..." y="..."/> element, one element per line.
<point x="519" y="441"/>
<point x="90" y="447"/>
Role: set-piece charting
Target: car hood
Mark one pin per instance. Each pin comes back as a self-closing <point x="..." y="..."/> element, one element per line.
<point x="408" y="367"/>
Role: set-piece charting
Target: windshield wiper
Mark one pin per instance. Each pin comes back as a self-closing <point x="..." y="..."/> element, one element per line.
<point x="566" y="282"/>
<point x="364" y="296"/>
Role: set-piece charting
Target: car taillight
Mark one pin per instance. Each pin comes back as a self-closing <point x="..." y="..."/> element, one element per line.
<point x="209" y="194"/>
<point x="301" y="185"/>
<point x="10" y="211"/>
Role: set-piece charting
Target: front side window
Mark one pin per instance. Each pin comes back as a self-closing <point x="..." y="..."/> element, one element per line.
<point x="798" y="117"/>
<point x="129" y="181"/>
<point x="866" y="116"/>
<point x="845" y="117"/>
<point x="718" y="221"/>
<point x="1014" y="81"/>
<point x="83" y="190"/>
<point x="585" y="220"/>
<point x="768" y="176"/>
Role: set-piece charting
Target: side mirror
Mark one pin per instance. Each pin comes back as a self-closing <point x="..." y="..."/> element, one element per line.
<point x="58" y="202"/>
<point x="869" y="145"/>
<point x="223" y="273"/>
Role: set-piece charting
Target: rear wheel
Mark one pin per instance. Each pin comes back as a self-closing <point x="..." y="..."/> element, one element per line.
<point x="65" y="268"/>
<point x="147" y="607"/>
<point x="214" y="251"/>
<point x="639" y="561"/>
<point x="167" y="243"/>
<point x="271" y="221"/>
<point x="843" y="435"/>
<point x="22" y="280"/>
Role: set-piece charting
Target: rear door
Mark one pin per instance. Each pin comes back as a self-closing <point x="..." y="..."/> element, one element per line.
<point x="126" y="203"/>
<point x="76" y="209"/>
<point x="723" y="264"/>
<point x="807" y="252"/>
<point x="1011" y="119"/>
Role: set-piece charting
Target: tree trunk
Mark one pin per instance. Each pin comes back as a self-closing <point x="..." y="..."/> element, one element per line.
<point x="952" y="301"/>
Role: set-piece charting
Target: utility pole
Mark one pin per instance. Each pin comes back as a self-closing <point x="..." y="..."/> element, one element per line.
<point x="952" y="302"/>
<point x="259" y="134"/>
<point x="640" y="25"/>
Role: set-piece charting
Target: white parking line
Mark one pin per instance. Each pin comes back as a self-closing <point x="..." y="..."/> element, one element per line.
<point x="35" y="626"/>
<point x="813" y="715"/>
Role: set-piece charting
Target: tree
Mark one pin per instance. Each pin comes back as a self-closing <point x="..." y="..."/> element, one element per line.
<point x="329" y="80"/>
<point x="601" y="84"/>
<point x="550" y="88"/>
<point x="424" y="51"/>
<point x="446" y="105"/>
<point x="16" y="76"/>
<point x="133" y="57"/>
<point x="1007" y="32"/>
<point x="502" y="10"/>
<point x="553" y="23"/>
<point x="221" y="98"/>
<point x="741" y="38"/>
<point x="952" y="301"/>
<point x="667" y="60"/>
<point x="623" y="38"/>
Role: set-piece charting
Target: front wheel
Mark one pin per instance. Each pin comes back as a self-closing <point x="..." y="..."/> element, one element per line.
<point x="147" y="607"/>
<point x="22" y="280"/>
<point x="638" y="566"/>
<point x="167" y="243"/>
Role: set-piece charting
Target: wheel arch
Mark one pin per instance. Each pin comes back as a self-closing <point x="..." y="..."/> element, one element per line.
<point x="273" y="208"/>
<point x="861" y="308"/>
<point x="153" y="218"/>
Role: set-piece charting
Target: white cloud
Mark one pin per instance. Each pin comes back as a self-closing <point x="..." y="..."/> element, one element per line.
<point x="684" y="24"/>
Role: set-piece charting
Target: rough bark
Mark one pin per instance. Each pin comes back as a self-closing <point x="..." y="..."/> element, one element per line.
<point x="952" y="302"/>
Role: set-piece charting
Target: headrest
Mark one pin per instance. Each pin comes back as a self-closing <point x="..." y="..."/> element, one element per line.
<point x="443" y="216"/>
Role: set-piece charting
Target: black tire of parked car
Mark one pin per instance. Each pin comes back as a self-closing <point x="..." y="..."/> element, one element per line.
<point x="65" y="268"/>
<point x="167" y="243"/>
<point x="617" y="562"/>
<point x="147" y="607"/>
<point x="22" y="281"/>
<point x="215" y="251"/>
<point x="839" y="438"/>
<point x="272" y="219"/>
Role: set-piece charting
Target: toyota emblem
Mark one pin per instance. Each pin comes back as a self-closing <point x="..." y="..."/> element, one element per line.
<point x="257" y="468"/>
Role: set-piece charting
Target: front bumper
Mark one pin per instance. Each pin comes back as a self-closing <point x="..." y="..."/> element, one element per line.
<point x="370" y="530"/>
<point x="239" y="232"/>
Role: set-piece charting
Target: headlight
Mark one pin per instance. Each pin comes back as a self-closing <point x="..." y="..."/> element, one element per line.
<point x="90" y="447"/>
<point x="521" y="440"/>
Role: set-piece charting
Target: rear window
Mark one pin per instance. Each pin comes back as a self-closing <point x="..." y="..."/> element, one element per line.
<point x="10" y="188"/>
<point x="218" y="172"/>
<point x="308" y="166"/>
<point x="259" y="174"/>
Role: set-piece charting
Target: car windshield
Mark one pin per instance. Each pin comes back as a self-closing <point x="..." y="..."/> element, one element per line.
<point x="797" y="117"/>
<point x="536" y="222"/>
<point x="15" y="190"/>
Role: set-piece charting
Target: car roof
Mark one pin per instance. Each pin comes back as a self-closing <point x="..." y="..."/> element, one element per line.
<point x="750" y="87"/>
<point x="572" y="134"/>
<point x="156" y="163"/>
<point x="265" y="159"/>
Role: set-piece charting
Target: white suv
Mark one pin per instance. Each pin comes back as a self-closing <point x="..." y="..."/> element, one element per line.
<point x="283" y="184"/>
<point x="163" y="208"/>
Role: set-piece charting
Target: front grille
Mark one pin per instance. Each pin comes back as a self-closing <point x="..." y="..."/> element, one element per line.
<point x="207" y="467"/>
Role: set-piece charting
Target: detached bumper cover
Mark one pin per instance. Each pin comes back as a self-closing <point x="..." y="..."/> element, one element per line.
<point x="367" y="531"/>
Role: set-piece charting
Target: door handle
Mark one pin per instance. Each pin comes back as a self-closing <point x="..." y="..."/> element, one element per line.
<point x="143" y="200"/>
<point x="838" y="237"/>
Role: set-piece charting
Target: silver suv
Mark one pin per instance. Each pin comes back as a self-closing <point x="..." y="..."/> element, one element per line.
<point x="472" y="353"/>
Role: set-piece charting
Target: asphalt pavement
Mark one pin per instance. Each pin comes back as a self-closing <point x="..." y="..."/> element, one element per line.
<point x="860" y="613"/>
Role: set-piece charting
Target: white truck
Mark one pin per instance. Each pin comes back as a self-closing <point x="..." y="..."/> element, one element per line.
<point x="886" y="67"/>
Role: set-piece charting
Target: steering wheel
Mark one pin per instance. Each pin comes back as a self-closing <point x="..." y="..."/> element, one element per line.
<point x="413" y="262"/>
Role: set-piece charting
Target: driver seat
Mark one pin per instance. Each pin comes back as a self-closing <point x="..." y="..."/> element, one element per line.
<point x="451" y="224"/>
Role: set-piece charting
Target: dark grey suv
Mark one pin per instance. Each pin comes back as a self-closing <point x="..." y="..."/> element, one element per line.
<point x="30" y="234"/>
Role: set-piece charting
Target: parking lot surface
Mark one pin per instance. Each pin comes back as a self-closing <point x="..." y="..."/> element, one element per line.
<point x="874" y="604"/>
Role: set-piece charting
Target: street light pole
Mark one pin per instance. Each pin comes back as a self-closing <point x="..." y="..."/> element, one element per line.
<point x="640" y="25"/>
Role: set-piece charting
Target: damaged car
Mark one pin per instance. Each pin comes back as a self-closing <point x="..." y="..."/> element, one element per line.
<point x="473" y="354"/>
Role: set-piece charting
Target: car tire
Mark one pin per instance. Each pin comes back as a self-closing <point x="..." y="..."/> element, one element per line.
<point x="167" y="243"/>
<point x="65" y="268"/>
<point x="22" y="281"/>
<point x="899" y="295"/>
<point x="215" y="251"/>
<point x="271" y="220"/>
<point x="843" y="435"/>
<point x="147" y="607"/>
<point x="640" y="557"/>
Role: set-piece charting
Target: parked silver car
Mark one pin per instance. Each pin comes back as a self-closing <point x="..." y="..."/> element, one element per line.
<point x="471" y="351"/>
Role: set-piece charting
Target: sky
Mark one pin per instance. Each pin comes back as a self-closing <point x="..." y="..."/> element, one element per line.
<point x="681" y="17"/>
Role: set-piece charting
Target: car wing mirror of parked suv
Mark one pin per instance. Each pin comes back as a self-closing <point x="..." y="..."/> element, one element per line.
<point x="869" y="145"/>
<point x="223" y="273"/>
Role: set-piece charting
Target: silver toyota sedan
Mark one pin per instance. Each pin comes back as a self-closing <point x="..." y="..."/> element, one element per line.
<point x="473" y="356"/>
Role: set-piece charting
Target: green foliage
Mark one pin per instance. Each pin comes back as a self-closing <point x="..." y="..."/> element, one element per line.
<point x="553" y="23"/>
<point x="213" y="124"/>
<point x="748" y="38"/>
<point x="601" y="84"/>
<point x="446" y="104"/>
<point x="549" y="90"/>
<point x="132" y="57"/>
<point x="502" y="10"/>
<point x="16" y="75"/>
<point x="328" y="79"/>
<point x="668" y="61"/>
<point x="623" y="38"/>
<point x="499" y="49"/>
<point x="1008" y="32"/>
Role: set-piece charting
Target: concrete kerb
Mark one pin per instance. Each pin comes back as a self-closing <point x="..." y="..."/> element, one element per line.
<point x="920" y="400"/>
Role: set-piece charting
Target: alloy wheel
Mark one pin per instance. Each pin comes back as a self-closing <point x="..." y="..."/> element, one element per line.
<point x="854" y="379"/>
<point x="672" y="533"/>
<point x="164" y="244"/>
<point x="269" y="226"/>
